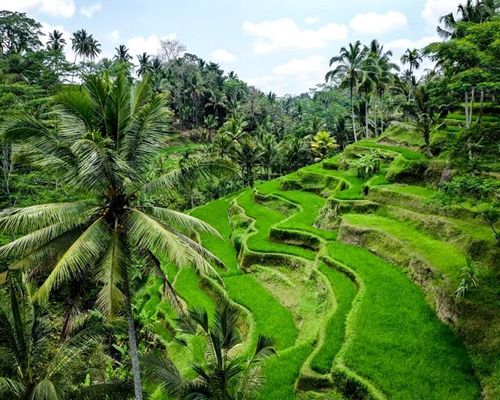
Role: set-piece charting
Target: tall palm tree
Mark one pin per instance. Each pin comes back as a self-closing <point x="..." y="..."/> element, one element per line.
<point x="480" y="11"/>
<point x="56" y="41"/>
<point x="413" y="58"/>
<point x="79" y="43"/>
<point x="221" y="375"/>
<point x="108" y="135"/>
<point x="145" y="66"/>
<point x="122" y="54"/>
<point x="349" y="70"/>
<point x="270" y="153"/>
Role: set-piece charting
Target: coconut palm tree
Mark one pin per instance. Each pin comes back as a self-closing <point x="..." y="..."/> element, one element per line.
<point x="122" y="54"/>
<point x="34" y="364"/>
<point x="145" y="66"/>
<point x="93" y="48"/>
<point x="270" y="153"/>
<point x="349" y="71"/>
<point x="221" y="375"/>
<point x="79" y="43"/>
<point x="56" y="41"/>
<point x="413" y="58"/>
<point x="103" y="141"/>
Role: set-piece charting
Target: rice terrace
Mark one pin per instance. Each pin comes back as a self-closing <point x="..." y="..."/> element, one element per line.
<point x="169" y="230"/>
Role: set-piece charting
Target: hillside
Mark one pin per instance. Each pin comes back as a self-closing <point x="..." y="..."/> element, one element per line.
<point x="353" y="278"/>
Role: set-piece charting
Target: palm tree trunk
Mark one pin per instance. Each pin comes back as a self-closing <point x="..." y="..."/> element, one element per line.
<point x="352" y="115"/>
<point x="134" y="354"/>
<point x="366" y="116"/>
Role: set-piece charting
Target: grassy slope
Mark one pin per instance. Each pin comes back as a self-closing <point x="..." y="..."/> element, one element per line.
<point x="398" y="342"/>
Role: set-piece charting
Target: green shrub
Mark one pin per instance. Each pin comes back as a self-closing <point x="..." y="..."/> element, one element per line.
<point x="407" y="171"/>
<point x="349" y="386"/>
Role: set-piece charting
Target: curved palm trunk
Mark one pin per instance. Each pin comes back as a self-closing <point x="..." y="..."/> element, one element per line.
<point x="134" y="355"/>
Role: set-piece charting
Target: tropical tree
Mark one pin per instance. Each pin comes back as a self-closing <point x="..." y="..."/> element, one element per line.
<point x="248" y="156"/>
<point x="413" y="58"/>
<point x="478" y="12"/>
<point x="270" y="154"/>
<point x="221" y="375"/>
<point x="79" y="43"/>
<point x="33" y="363"/>
<point x="122" y="54"/>
<point x="93" y="48"/>
<point x="349" y="70"/>
<point x="19" y="34"/>
<point x="145" y="66"/>
<point x="322" y="144"/>
<point x="105" y="137"/>
<point x="56" y="41"/>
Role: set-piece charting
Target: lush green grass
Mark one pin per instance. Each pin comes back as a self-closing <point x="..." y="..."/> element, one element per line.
<point x="412" y="190"/>
<point x="271" y="318"/>
<point x="264" y="219"/>
<point x="408" y="154"/>
<point x="188" y="286"/>
<point x="443" y="256"/>
<point x="310" y="204"/>
<point x="396" y="340"/>
<point x="216" y="214"/>
<point x="345" y="291"/>
<point x="281" y="372"/>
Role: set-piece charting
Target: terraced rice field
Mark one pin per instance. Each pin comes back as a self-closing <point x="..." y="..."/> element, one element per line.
<point x="346" y="322"/>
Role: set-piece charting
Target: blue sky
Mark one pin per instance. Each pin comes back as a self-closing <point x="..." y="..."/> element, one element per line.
<point x="283" y="46"/>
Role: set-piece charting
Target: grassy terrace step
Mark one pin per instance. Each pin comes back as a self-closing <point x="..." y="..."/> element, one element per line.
<point x="271" y="318"/>
<point x="394" y="338"/>
<point x="345" y="291"/>
<point x="265" y="218"/>
<point x="408" y="154"/>
<point x="443" y="256"/>
<point x="310" y="204"/>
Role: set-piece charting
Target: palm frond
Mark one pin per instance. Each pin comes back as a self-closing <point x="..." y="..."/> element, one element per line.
<point x="189" y="175"/>
<point x="147" y="134"/>
<point x="184" y="223"/>
<point x="81" y="255"/>
<point x="16" y="220"/>
<point x="78" y="104"/>
<point x="110" y="298"/>
<point x="162" y="371"/>
<point x="10" y="388"/>
<point x="264" y="349"/>
<point x="45" y="390"/>
<point x="148" y="234"/>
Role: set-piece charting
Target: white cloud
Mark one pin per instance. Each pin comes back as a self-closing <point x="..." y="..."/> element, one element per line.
<point x="114" y="36"/>
<point x="372" y="23"/>
<point x="151" y="44"/>
<point x="311" y="20"/>
<point x="284" y="34"/>
<point x="89" y="11"/>
<point x="223" y="56"/>
<point x="53" y="8"/>
<point x="434" y="9"/>
<point x="295" y="76"/>
<point x="412" y="44"/>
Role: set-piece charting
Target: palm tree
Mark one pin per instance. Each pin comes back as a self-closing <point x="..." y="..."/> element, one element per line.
<point x="322" y="144"/>
<point x="221" y="376"/>
<point x="478" y="12"/>
<point x="145" y="66"/>
<point x="33" y="364"/>
<point x="349" y="70"/>
<point x="412" y="58"/>
<point x="122" y="54"/>
<point x="56" y="41"/>
<point x="108" y="134"/>
<point x="269" y="149"/>
<point x="93" y="48"/>
<point x="79" y="43"/>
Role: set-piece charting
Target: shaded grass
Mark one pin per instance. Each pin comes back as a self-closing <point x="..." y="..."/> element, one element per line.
<point x="443" y="256"/>
<point x="345" y="291"/>
<point x="281" y="372"/>
<point x="397" y="342"/>
<point x="271" y="318"/>
<point x="188" y="286"/>
<point x="408" y="154"/>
